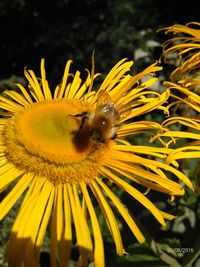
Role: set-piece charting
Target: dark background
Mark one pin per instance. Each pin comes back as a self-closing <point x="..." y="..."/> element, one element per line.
<point x="72" y="29"/>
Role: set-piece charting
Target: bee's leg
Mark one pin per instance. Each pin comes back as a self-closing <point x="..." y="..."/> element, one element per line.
<point x="77" y="115"/>
<point x="116" y="126"/>
<point x="119" y="125"/>
<point x="114" y="137"/>
<point x="84" y="116"/>
<point x="82" y="123"/>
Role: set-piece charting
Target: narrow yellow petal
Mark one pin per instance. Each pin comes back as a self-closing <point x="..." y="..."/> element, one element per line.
<point x="45" y="86"/>
<point x="12" y="197"/>
<point x="63" y="255"/>
<point x="115" y="78"/>
<point x="149" y="106"/>
<point x="68" y="226"/>
<point x="121" y="88"/>
<point x="75" y="85"/>
<point x="82" y="232"/>
<point x="34" y="188"/>
<point x="84" y="226"/>
<point x="8" y="176"/>
<point x="149" y="70"/>
<point x="17" y="97"/>
<point x="137" y="93"/>
<point x="38" y="211"/>
<point x="62" y="88"/>
<point x="167" y="215"/>
<point x="35" y="88"/>
<point x="183" y="155"/>
<point x="110" y="218"/>
<point x="84" y="87"/>
<point x="5" y="167"/>
<point x="159" y="152"/>
<point x="53" y="242"/>
<point x="24" y="92"/>
<point x="127" y="217"/>
<point x="140" y="175"/>
<point x="43" y="226"/>
<point x="67" y="90"/>
<point x="9" y="105"/>
<point x="181" y="134"/>
<point x="26" y="207"/>
<point x="148" y="179"/>
<point x="74" y="214"/>
<point x="137" y="127"/>
<point x="136" y="194"/>
<point x="193" y="123"/>
<point x="99" y="249"/>
<point x="60" y="223"/>
<point x="148" y="163"/>
<point x="112" y="74"/>
<point x="13" y="252"/>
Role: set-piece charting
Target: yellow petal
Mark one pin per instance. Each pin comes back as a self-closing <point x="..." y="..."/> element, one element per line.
<point x="17" y="97"/>
<point x="82" y="232"/>
<point x="59" y="93"/>
<point x="167" y="215"/>
<point x="9" y="105"/>
<point x="180" y="134"/>
<point x="63" y="243"/>
<point x="9" y="175"/>
<point x="24" y="92"/>
<point x="12" y="197"/>
<point x="148" y="163"/>
<point x="53" y="241"/>
<point x="136" y="194"/>
<point x="127" y="217"/>
<point x="68" y="226"/>
<point x="75" y="85"/>
<point x="114" y="71"/>
<point x="99" y="249"/>
<point x="43" y="226"/>
<point x="35" y="88"/>
<point x="110" y="218"/>
<point x="37" y="213"/>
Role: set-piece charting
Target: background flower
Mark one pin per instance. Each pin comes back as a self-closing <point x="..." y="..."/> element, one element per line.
<point x="185" y="100"/>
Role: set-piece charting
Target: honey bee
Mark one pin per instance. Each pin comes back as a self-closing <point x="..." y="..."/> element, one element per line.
<point x="104" y="122"/>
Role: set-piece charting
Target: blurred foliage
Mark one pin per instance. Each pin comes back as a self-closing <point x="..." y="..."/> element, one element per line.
<point x="63" y="29"/>
<point x="72" y="29"/>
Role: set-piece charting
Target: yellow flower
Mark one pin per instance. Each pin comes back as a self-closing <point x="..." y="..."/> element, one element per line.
<point x="184" y="98"/>
<point x="50" y="158"/>
<point x="185" y="81"/>
<point x="187" y="44"/>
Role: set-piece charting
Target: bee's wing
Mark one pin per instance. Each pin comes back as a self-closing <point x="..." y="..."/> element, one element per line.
<point x="124" y="111"/>
<point x="103" y="98"/>
<point x="119" y="111"/>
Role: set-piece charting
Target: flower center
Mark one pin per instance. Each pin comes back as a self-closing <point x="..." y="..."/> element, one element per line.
<point x="48" y="130"/>
<point x="45" y="139"/>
